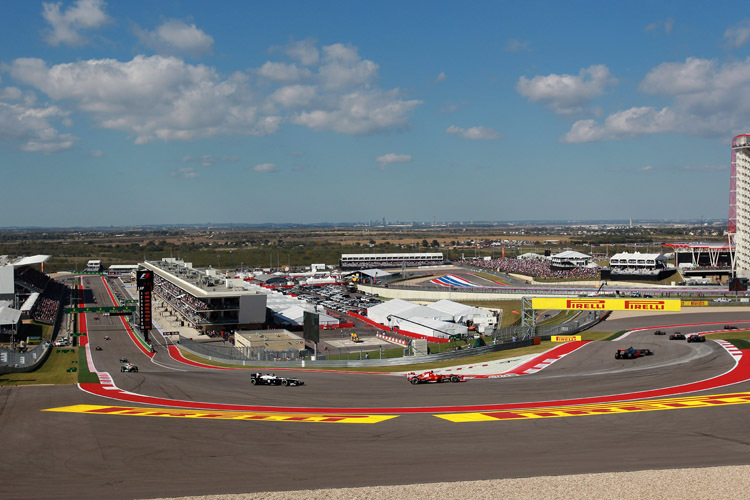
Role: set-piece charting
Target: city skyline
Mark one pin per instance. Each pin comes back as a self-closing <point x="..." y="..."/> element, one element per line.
<point x="141" y="113"/>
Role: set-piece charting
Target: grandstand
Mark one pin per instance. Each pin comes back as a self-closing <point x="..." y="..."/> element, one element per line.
<point x="116" y="270"/>
<point x="568" y="260"/>
<point x="94" y="266"/>
<point x="390" y="260"/>
<point x="206" y="299"/>
<point x="29" y="293"/>
<point x="638" y="266"/>
<point x="703" y="259"/>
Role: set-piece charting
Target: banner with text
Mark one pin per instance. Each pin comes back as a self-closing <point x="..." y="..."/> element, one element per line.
<point x="596" y="304"/>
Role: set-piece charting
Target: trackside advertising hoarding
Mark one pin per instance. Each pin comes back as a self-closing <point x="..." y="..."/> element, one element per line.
<point x="596" y="304"/>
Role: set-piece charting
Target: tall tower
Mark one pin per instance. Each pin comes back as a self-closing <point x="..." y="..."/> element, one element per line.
<point x="739" y="204"/>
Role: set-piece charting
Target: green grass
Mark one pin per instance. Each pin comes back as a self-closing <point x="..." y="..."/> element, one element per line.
<point x="84" y="375"/>
<point x="731" y="335"/>
<point x="740" y="343"/>
<point x="55" y="370"/>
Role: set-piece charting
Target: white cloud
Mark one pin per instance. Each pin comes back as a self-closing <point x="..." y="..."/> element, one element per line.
<point x="359" y="113"/>
<point x="517" y="46"/>
<point x="152" y="97"/>
<point x="264" y="168"/>
<point x="283" y="72"/>
<point x="294" y="96"/>
<point x="177" y="37"/>
<point x="709" y="100"/>
<point x="474" y="133"/>
<point x="567" y="94"/>
<point x="667" y="24"/>
<point x="342" y="68"/>
<point x="96" y="153"/>
<point x="693" y="75"/>
<point x="305" y="52"/>
<point x="623" y="124"/>
<point x="165" y="98"/>
<point x="684" y="168"/>
<point x="65" y="25"/>
<point x="184" y="173"/>
<point x="28" y="125"/>
<point x="208" y="160"/>
<point x="441" y="77"/>
<point x="738" y="35"/>
<point x="392" y="158"/>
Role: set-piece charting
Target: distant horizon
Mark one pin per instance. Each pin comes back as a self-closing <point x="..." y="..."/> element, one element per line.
<point x="394" y="224"/>
<point x="122" y="113"/>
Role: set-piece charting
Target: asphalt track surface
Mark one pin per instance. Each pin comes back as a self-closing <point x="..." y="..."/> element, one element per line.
<point x="75" y="455"/>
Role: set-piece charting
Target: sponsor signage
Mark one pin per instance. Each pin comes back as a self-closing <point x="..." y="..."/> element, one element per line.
<point x="90" y="309"/>
<point x="694" y="303"/>
<point x="144" y="280"/>
<point x="566" y="338"/>
<point x="596" y="304"/>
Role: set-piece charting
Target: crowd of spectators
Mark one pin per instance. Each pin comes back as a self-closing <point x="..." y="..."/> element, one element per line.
<point x="534" y="267"/>
<point x="46" y="310"/>
<point x="371" y="264"/>
<point x="178" y="298"/>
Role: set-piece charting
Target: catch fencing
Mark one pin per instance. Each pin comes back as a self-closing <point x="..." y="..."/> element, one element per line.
<point x="504" y="339"/>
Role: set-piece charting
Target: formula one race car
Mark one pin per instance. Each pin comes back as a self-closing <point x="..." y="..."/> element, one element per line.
<point x="677" y="336"/>
<point x="730" y="327"/>
<point x="660" y="332"/>
<point x="123" y="360"/>
<point x="98" y="348"/>
<point x="129" y="367"/>
<point x="431" y="376"/>
<point x="632" y="353"/>
<point x="271" y="379"/>
<point x="696" y="338"/>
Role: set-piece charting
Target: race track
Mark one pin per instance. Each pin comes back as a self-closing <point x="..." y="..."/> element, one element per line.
<point x="95" y="455"/>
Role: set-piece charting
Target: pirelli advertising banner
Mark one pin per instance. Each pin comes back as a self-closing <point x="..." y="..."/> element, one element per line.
<point x="596" y="304"/>
<point x="694" y="303"/>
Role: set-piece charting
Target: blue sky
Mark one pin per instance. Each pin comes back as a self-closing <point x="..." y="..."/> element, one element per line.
<point x="172" y="112"/>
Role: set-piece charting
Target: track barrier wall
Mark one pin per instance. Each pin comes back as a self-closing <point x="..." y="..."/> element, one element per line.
<point x="505" y="339"/>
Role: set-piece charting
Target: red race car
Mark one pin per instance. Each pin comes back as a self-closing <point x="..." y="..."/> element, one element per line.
<point x="431" y="376"/>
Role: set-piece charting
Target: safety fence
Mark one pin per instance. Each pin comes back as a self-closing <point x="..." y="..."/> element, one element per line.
<point x="504" y="339"/>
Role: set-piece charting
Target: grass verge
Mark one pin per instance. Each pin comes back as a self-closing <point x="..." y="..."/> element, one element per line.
<point x="56" y="370"/>
<point x="85" y="376"/>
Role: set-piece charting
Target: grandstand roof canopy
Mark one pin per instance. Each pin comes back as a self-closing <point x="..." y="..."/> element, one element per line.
<point x="9" y="316"/>
<point x="714" y="246"/>
<point x="637" y="255"/>
<point x="375" y="273"/>
<point x="571" y="254"/>
<point x="7" y="286"/>
<point x="30" y="261"/>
